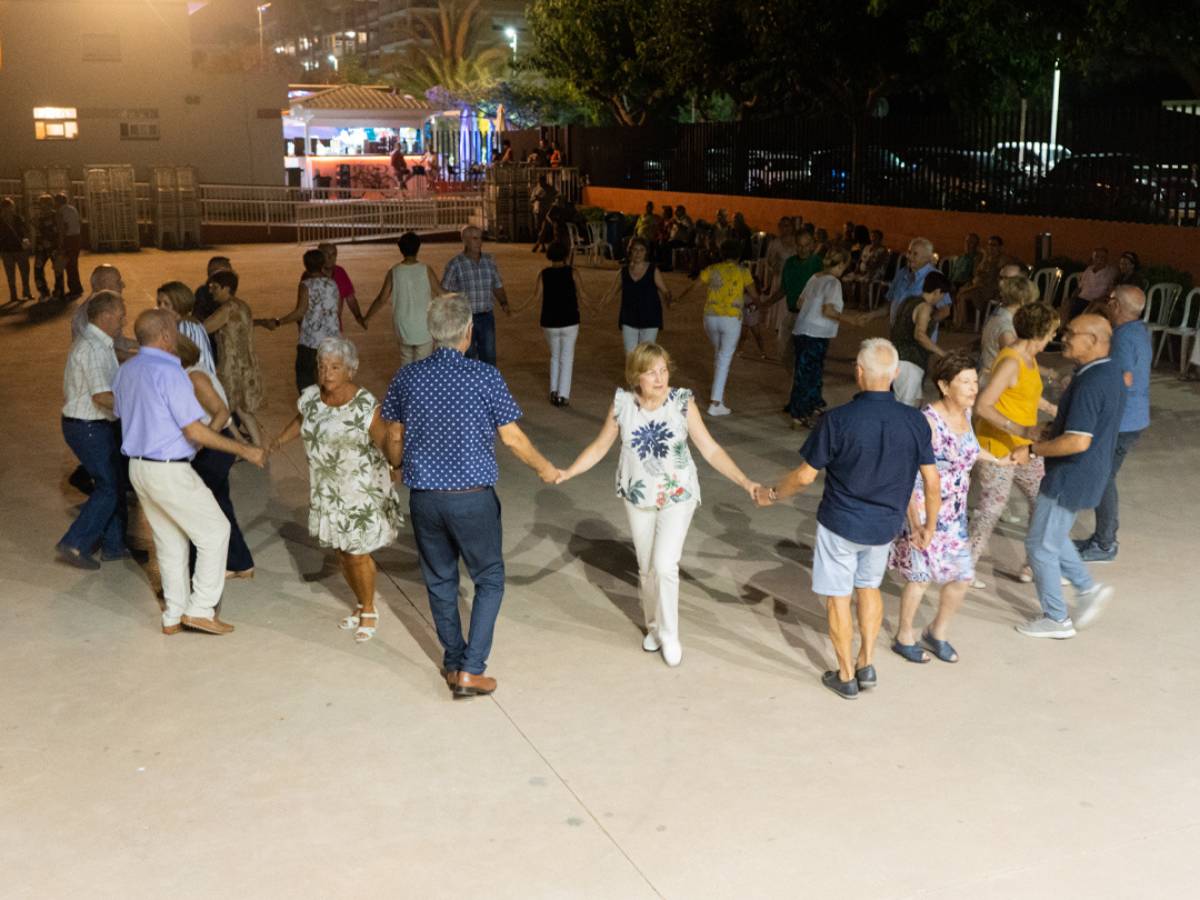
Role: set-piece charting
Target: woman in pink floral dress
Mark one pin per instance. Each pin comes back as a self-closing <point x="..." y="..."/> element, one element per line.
<point x="947" y="560"/>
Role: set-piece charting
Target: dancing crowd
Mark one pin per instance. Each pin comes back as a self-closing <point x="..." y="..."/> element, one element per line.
<point x="169" y="413"/>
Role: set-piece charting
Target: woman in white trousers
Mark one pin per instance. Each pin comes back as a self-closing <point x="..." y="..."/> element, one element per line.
<point x="656" y="477"/>
<point x="560" y="289"/>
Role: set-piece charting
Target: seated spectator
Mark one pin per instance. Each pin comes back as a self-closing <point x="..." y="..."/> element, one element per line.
<point x="914" y="338"/>
<point x="860" y="239"/>
<point x="647" y="224"/>
<point x="1129" y="271"/>
<point x="823" y="243"/>
<point x="663" y="237"/>
<point x="721" y="230"/>
<point x="1095" y="284"/>
<point x="872" y="261"/>
<point x="984" y="287"/>
<point x="962" y="267"/>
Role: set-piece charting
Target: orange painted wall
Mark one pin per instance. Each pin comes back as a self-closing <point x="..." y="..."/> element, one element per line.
<point x="1155" y="244"/>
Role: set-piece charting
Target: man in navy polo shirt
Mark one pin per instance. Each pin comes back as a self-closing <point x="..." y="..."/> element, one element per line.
<point x="1131" y="353"/>
<point x="443" y="415"/>
<point x="1078" y="448"/>
<point x="871" y="450"/>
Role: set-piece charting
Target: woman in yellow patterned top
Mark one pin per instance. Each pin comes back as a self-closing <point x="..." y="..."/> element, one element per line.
<point x="729" y="283"/>
<point x="1006" y="415"/>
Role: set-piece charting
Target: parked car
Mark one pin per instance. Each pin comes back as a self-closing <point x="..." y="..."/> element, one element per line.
<point x="1118" y="186"/>
<point x="1035" y="158"/>
<point x="968" y="179"/>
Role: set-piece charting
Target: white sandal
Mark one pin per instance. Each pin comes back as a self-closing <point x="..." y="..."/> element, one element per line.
<point x="366" y="632"/>
<point x="350" y="622"/>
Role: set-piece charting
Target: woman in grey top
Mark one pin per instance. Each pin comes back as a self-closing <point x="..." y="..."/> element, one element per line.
<point x="998" y="332"/>
<point x="411" y="286"/>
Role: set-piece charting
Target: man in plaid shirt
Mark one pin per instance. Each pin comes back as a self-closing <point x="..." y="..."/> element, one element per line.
<point x="474" y="275"/>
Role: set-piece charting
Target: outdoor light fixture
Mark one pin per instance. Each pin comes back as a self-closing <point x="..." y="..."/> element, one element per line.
<point x="333" y="61"/>
<point x="511" y="34"/>
<point x="262" y="7"/>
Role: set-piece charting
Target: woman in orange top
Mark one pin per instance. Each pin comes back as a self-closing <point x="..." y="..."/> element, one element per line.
<point x="1006" y="416"/>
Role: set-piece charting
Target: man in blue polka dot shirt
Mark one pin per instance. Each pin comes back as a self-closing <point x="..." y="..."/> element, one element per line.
<point x="443" y="414"/>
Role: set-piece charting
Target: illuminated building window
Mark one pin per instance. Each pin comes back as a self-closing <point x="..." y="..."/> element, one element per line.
<point x="53" y="123"/>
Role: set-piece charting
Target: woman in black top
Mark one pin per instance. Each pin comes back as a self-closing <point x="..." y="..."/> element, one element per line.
<point x="560" y="290"/>
<point x="14" y="248"/>
<point x="642" y="294"/>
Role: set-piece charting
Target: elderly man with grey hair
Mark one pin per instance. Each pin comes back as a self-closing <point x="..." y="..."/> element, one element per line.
<point x="1132" y="354"/>
<point x="474" y="275"/>
<point x="443" y="414"/>
<point x="871" y="449"/>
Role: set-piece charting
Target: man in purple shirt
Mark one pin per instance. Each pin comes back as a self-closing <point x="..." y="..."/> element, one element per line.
<point x="162" y="426"/>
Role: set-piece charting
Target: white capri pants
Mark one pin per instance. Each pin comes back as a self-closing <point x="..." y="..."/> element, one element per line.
<point x="658" y="536"/>
<point x="562" y="357"/>
<point x="909" y="386"/>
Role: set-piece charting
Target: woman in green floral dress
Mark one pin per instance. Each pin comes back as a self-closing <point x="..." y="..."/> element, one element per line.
<point x="656" y="477"/>
<point x="353" y="507"/>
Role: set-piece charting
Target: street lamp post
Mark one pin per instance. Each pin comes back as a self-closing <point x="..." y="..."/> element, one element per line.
<point x="262" y="7"/>
<point x="511" y="34"/>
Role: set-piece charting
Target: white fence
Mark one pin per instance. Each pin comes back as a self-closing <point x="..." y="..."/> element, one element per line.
<point x="325" y="214"/>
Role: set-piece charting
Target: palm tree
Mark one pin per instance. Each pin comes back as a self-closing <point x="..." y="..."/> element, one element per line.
<point x="456" y="51"/>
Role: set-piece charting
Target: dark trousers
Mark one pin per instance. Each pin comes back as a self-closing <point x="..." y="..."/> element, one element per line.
<point x="213" y="468"/>
<point x="71" y="245"/>
<point x="306" y="367"/>
<point x="448" y="526"/>
<point x="102" y="517"/>
<point x="16" y="261"/>
<point x="483" y="337"/>
<point x="809" y="376"/>
<point x="40" y="258"/>
<point x="1107" y="518"/>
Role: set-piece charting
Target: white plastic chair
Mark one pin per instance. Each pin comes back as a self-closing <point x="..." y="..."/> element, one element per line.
<point x="1160" y="304"/>
<point x="1047" y="281"/>
<point x="597" y="246"/>
<point x="1070" y="283"/>
<point x="1184" y="330"/>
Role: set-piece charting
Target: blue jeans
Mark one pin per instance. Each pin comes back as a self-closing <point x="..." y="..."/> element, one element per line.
<point x="102" y="518"/>
<point x="1107" y="519"/>
<point x="483" y="337"/>
<point x="1052" y="555"/>
<point x="448" y="525"/>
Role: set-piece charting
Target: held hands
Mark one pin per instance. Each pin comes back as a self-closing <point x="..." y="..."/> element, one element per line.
<point x="1019" y="456"/>
<point x="923" y="536"/>
<point x="551" y="475"/>
<point x="255" y="455"/>
<point x="762" y="496"/>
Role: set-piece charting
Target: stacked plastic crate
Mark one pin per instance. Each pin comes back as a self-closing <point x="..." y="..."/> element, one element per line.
<point x="164" y="198"/>
<point x="112" y="207"/>
<point x="189" y="207"/>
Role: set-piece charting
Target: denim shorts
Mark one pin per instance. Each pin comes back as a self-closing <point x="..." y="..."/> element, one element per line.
<point x="840" y="566"/>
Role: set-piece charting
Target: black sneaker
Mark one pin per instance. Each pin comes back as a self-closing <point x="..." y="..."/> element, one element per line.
<point x="847" y="690"/>
<point x="866" y="678"/>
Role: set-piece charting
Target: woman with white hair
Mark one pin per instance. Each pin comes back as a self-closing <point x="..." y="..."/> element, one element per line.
<point x="353" y="507"/>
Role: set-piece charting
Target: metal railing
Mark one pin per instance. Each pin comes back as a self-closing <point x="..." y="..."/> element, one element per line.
<point x="358" y="220"/>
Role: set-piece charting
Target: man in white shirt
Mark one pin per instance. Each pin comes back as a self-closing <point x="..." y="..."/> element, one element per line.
<point x="90" y="429"/>
<point x="70" y="242"/>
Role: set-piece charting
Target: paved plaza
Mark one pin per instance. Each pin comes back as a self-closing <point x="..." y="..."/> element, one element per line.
<point x="286" y="761"/>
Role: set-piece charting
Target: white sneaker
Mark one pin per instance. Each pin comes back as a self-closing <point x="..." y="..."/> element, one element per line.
<point x="672" y="653"/>
<point x="1089" y="604"/>
<point x="1045" y="627"/>
<point x="978" y="585"/>
<point x="718" y="409"/>
<point x="1026" y="577"/>
<point x="650" y="643"/>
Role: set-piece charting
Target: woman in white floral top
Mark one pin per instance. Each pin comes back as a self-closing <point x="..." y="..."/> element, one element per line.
<point x="353" y="506"/>
<point x="317" y="313"/>
<point x="656" y="477"/>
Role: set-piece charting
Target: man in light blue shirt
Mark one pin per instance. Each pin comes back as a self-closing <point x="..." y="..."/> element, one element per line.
<point x="162" y="425"/>
<point x="910" y="275"/>
<point x="1131" y="352"/>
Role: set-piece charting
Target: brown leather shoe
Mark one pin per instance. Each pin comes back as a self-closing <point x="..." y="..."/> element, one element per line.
<point x="172" y="629"/>
<point x="451" y="678"/>
<point x="469" y="685"/>
<point x="208" y="626"/>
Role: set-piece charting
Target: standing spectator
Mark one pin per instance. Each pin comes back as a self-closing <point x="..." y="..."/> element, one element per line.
<point x="681" y="239"/>
<point x="541" y="198"/>
<point x="781" y="248"/>
<point x="443" y="415"/>
<point x="506" y="152"/>
<point x="743" y="235"/>
<point x="647" y="226"/>
<point x="316" y="313"/>
<point x="871" y="266"/>
<point x="353" y="507"/>
<point x="213" y="465"/>
<point x="178" y="297"/>
<point x="237" y="363"/>
<point x="411" y="286"/>
<point x="910" y="275"/>
<point x="912" y="335"/>
<point x="14" y="249"/>
<point x="400" y="168"/>
<point x="1131" y="354"/>
<point x="90" y="430"/>
<point x="871" y="450"/>
<point x="46" y="248"/>
<point x="1094" y="285"/>
<point x="161" y="427"/>
<point x="1079" y="449"/>
<point x="657" y="479"/>
<point x="70" y="242"/>
<point x="1006" y="416"/>
<point x="205" y="304"/>
<point x="946" y="561"/>
<point x="820" y="311"/>
<point x="729" y="282"/>
<point x="560" y="289"/>
<point x="962" y="267"/>
<point x="474" y="275"/>
<point x="643" y="293"/>
<point x="346" y="295"/>
<point x="556" y="156"/>
<point x="662" y="240"/>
